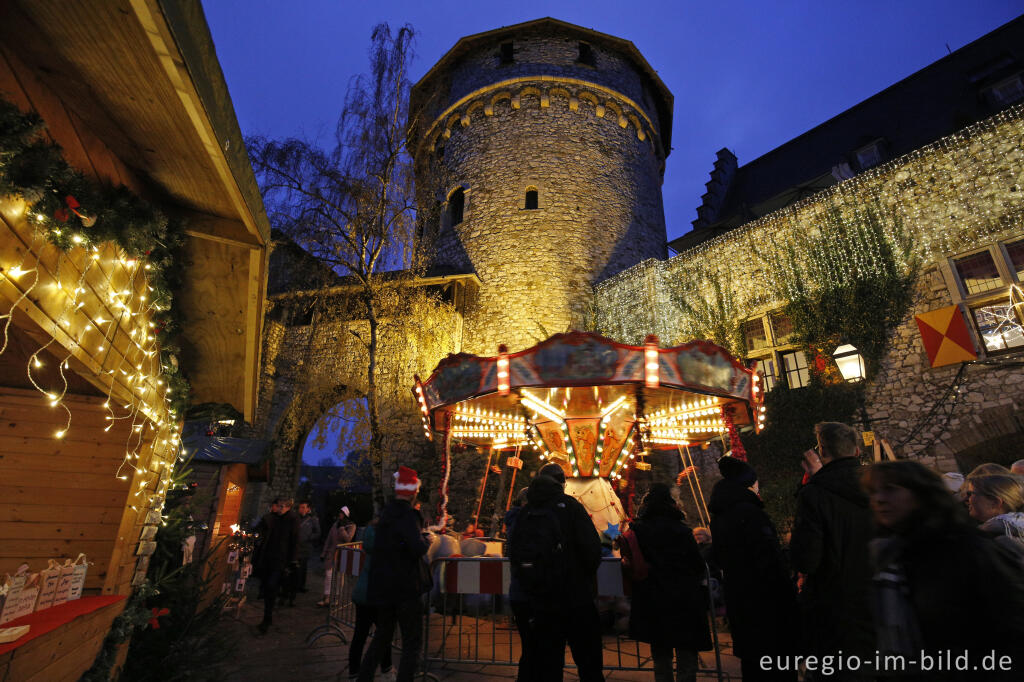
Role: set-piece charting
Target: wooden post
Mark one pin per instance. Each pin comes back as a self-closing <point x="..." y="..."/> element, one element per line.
<point x="483" y="488"/>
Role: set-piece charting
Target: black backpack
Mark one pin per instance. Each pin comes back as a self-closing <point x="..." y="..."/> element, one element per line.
<point x="537" y="553"/>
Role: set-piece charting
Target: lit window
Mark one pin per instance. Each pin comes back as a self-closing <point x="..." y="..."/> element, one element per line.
<point x="754" y="335"/>
<point x="531" y="199"/>
<point x="766" y="368"/>
<point x="978" y="273"/>
<point x="456" y="206"/>
<point x="797" y="373"/>
<point x="999" y="325"/>
<point x="1016" y="253"/>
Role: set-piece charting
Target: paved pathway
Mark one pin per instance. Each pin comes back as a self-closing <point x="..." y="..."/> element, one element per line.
<point x="282" y="655"/>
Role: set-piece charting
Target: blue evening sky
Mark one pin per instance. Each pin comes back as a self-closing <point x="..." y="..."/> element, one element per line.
<point x="747" y="75"/>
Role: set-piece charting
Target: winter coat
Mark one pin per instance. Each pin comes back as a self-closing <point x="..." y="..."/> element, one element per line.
<point x="829" y="545"/>
<point x="962" y="593"/>
<point x="1008" y="532"/>
<point x="340" y="533"/>
<point x="670" y="605"/>
<point x="278" y="543"/>
<point x="515" y="590"/>
<point x="396" y="574"/>
<point x="582" y="544"/>
<point x="309" y="533"/>
<point x="759" y="595"/>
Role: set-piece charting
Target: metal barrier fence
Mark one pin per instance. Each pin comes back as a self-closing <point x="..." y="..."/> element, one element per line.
<point x="468" y="618"/>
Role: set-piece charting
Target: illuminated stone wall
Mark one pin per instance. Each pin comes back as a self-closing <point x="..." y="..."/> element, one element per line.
<point x="586" y="140"/>
<point x="960" y="193"/>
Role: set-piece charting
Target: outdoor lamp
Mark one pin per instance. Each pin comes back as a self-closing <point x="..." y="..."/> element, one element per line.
<point x="850" y="361"/>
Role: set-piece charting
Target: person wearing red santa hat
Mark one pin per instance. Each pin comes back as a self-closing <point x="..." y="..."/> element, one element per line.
<point x="398" y="578"/>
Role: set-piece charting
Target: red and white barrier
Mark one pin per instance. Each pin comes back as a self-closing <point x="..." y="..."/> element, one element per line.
<point x="350" y="560"/>
<point x="485" y="575"/>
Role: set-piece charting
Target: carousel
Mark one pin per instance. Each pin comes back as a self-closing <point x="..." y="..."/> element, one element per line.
<point x="595" y="407"/>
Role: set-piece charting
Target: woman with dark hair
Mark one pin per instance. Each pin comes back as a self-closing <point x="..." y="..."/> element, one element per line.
<point x="939" y="585"/>
<point x="669" y="606"/>
<point x="759" y="595"/>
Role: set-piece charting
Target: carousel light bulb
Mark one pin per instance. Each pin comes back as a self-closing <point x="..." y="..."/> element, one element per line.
<point x="59" y="434"/>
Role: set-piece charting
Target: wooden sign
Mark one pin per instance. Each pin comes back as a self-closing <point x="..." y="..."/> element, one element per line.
<point x="514" y="462"/>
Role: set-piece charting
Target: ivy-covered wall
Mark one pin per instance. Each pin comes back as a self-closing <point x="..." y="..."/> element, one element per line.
<point x="960" y="193"/>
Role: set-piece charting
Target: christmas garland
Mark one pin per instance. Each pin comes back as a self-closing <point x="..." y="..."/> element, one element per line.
<point x="73" y="211"/>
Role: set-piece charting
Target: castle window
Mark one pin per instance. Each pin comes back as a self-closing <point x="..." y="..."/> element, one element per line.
<point x="986" y="284"/>
<point x="1006" y="92"/>
<point x="456" y="206"/>
<point x="586" y="55"/>
<point x="531" y="199"/>
<point x="771" y="340"/>
<point x="506" y="56"/>
<point x="869" y="155"/>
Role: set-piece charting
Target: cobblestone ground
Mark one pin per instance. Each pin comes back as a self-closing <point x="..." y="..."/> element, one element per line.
<point x="283" y="655"/>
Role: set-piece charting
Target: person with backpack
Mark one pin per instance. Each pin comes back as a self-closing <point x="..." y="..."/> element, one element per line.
<point x="669" y="608"/>
<point x="397" y="578"/>
<point x="554" y="552"/>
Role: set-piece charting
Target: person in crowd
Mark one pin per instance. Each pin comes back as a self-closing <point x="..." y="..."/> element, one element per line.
<point x="939" y="585"/>
<point x="366" y="614"/>
<point x="669" y="607"/>
<point x="988" y="469"/>
<point x="279" y="539"/>
<point x="997" y="503"/>
<point x="309" y="535"/>
<point x="341" y="532"/>
<point x="554" y="551"/>
<point x="829" y="548"/>
<point x="1017" y="468"/>
<point x="397" y="579"/>
<point x="287" y="589"/>
<point x="954" y="481"/>
<point x="517" y="597"/>
<point x="759" y="595"/>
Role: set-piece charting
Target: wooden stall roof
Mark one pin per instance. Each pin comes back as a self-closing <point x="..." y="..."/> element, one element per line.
<point x="142" y="75"/>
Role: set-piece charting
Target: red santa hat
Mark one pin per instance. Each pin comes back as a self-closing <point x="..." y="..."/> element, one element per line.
<point x="406" y="482"/>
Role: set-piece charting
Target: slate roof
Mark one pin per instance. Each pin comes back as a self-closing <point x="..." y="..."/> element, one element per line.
<point x="936" y="101"/>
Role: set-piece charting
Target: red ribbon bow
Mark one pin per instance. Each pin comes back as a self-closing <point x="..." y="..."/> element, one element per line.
<point x="157" y="612"/>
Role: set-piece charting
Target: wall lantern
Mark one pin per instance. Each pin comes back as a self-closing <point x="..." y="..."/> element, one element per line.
<point x="850" y="361"/>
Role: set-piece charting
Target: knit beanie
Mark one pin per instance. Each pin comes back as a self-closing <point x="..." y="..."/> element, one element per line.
<point x="553" y="470"/>
<point x="737" y="471"/>
<point x="406" y="483"/>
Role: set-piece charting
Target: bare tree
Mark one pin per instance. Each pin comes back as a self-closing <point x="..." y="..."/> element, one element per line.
<point x="353" y="206"/>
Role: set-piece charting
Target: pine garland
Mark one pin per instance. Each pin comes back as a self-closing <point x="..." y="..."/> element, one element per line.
<point x="72" y="211"/>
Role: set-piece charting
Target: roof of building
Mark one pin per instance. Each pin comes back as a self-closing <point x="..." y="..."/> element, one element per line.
<point x="936" y="101"/>
<point x="664" y="102"/>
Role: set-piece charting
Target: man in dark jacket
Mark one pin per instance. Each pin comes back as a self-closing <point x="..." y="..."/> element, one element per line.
<point x="278" y="535"/>
<point x="829" y="548"/>
<point x="759" y="594"/>
<point x="547" y="621"/>
<point x="397" y="578"/>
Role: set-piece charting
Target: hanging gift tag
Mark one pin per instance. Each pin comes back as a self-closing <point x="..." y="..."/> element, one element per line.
<point x="64" y="583"/>
<point x="240" y="585"/>
<point x="48" y="578"/>
<point x="233" y="557"/>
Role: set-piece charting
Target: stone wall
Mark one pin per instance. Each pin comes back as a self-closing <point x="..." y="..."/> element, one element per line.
<point x="586" y="139"/>
<point x="960" y="193"/>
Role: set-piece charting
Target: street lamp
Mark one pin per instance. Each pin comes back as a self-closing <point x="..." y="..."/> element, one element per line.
<point x="850" y="361"/>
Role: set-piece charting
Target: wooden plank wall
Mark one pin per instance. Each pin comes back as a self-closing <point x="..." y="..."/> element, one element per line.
<point x="62" y="654"/>
<point x="59" y="497"/>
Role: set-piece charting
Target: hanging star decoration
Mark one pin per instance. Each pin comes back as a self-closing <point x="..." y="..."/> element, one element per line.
<point x="612" y="531"/>
<point x="154" y="622"/>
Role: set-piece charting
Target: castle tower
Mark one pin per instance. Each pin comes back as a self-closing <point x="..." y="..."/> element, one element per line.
<point x="539" y="150"/>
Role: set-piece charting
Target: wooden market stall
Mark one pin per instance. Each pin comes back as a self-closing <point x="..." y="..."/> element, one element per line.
<point x="132" y="93"/>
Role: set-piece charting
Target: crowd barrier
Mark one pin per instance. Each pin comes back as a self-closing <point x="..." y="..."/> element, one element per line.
<point x="468" y="618"/>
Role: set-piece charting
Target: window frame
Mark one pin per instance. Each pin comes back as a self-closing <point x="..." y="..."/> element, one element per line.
<point x="774" y="352"/>
<point x="970" y="302"/>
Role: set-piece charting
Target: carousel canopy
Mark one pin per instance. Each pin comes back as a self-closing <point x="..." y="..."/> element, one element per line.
<point x="590" y="403"/>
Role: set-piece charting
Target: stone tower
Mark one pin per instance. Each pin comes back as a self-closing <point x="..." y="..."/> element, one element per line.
<point x="539" y="150"/>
